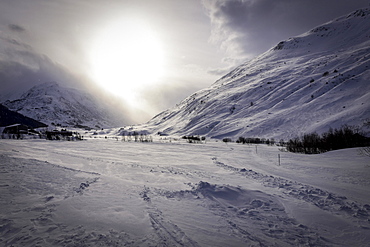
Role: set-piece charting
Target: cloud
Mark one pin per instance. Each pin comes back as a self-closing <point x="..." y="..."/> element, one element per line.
<point x="237" y="25"/>
<point x="67" y="29"/>
<point x="16" y="28"/>
<point x="21" y="67"/>
<point x="173" y="88"/>
<point x="27" y="69"/>
<point x="219" y="71"/>
<point x="246" y="28"/>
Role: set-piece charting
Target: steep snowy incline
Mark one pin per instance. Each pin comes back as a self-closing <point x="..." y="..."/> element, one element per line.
<point x="308" y="83"/>
<point x="52" y="103"/>
<point x="8" y="117"/>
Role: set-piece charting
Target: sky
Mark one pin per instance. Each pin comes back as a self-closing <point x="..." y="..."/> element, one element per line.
<point x="146" y="54"/>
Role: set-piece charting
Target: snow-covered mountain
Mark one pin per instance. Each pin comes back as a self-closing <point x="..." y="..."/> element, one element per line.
<point x="311" y="82"/>
<point x="8" y="117"/>
<point x="57" y="105"/>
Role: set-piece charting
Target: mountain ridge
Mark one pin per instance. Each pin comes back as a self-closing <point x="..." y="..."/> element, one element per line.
<point x="308" y="83"/>
<point x="8" y="117"/>
<point x="56" y="105"/>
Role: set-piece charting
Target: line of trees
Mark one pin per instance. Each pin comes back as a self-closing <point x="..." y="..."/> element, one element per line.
<point x="194" y="139"/>
<point x="252" y="140"/>
<point x="334" y="139"/>
<point x="137" y="137"/>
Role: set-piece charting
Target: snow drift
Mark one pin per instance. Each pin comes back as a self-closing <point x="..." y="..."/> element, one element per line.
<point x="103" y="192"/>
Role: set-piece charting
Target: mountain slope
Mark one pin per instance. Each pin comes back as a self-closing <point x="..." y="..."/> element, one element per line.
<point x="308" y="83"/>
<point x="56" y="105"/>
<point x="8" y="117"/>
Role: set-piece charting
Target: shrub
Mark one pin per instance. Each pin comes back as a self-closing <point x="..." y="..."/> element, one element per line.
<point x="137" y="137"/>
<point x="194" y="139"/>
<point x="326" y="73"/>
<point x="344" y="137"/>
<point x="241" y="140"/>
<point x="244" y="140"/>
<point x="227" y="140"/>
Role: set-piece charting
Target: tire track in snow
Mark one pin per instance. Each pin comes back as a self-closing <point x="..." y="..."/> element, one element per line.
<point x="322" y="199"/>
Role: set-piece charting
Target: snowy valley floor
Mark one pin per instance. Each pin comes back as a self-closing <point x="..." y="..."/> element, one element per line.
<point x="112" y="193"/>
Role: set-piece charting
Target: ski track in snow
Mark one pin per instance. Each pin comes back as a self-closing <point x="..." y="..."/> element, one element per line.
<point x="251" y="216"/>
<point x="212" y="211"/>
<point x="30" y="194"/>
<point x="322" y="199"/>
<point x="168" y="233"/>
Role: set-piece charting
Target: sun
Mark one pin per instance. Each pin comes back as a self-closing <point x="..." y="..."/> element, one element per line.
<point x="126" y="57"/>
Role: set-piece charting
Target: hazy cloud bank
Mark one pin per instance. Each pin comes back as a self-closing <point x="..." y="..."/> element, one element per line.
<point x="246" y="28"/>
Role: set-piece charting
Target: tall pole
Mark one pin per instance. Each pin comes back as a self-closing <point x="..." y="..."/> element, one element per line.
<point x="279" y="158"/>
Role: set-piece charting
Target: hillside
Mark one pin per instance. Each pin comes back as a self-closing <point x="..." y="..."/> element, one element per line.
<point x="8" y="117"/>
<point x="57" y="105"/>
<point x="311" y="82"/>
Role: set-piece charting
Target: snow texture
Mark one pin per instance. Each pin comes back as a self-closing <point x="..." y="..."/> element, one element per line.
<point x="308" y="83"/>
<point x="103" y="192"/>
<point x="51" y="103"/>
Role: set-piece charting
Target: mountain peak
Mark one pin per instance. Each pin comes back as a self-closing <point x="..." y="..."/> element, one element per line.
<point x="51" y="103"/>
<point x="365" y="12"/>
<point x="332" y="35"/>
<point x="43" y="88"/>
<point x="307" y="83"/>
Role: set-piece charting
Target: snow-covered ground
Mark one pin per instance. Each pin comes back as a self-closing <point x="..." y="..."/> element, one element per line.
<point x="103" y="192"/>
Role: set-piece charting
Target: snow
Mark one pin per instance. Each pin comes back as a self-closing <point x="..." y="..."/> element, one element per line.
<point x="305" y="84"/>
<point x="104" y="192"/>
<point x="54" y="104"/>
<point x="107" y="192"/>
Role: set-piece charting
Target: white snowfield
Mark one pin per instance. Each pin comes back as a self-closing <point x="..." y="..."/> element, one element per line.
<point x="103" y="192"/>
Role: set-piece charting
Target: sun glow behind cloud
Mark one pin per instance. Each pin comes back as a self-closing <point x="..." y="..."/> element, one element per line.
<point x="126" y="57"/>
<point x="185" y="45"/>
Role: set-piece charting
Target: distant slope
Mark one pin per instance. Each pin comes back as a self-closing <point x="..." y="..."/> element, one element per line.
<point x="308" y="83"/>
<point x="57" y="105"/>
<point x="8" y="117"/>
